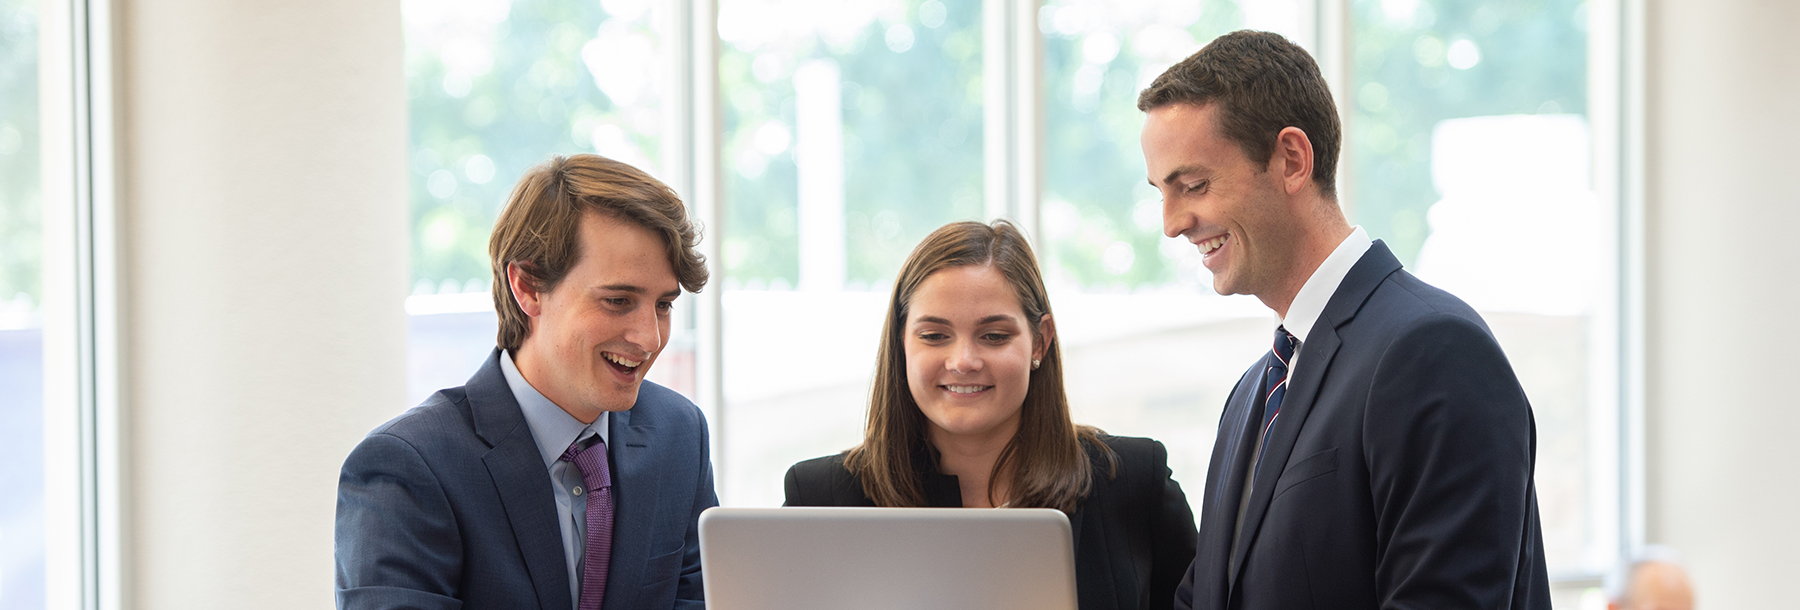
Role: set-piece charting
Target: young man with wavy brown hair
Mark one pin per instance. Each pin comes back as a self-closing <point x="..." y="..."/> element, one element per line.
<point x="557" y="478"/>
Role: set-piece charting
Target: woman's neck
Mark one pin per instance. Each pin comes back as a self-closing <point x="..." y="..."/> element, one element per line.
<point x="971" y="460"/>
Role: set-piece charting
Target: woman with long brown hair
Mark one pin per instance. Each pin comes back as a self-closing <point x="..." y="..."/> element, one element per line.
<point x="968" y="410"/>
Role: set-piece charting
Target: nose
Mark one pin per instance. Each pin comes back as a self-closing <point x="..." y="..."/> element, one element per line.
<point x="645" y="331"/>
<point x="1175" y="220"/>
<point x="963" y="358"/>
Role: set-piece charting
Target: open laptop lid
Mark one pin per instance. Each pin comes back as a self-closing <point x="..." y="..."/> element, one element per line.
<point x="887" y="559"/>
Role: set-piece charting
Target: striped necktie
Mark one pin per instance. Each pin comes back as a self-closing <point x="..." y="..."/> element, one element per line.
<point x="596" y="555"/>
<point x="1275" y="379"/>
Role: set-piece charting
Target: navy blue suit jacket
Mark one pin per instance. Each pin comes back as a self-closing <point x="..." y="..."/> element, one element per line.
<point x="449" y="506"/>
<point x="1399" y="473"/>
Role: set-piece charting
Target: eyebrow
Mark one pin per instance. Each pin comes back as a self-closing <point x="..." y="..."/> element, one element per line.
<point x="1178" y="172"/>
<point x="999" y="317"/>
<point x="633" y="289"/>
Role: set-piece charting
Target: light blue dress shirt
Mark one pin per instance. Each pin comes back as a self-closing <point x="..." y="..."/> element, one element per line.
<point x="554" y="430"/>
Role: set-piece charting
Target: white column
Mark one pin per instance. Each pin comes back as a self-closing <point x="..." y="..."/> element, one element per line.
<point x="819" y="161"/>
<point x="263" y="250"/>
<point x="63" y="431"/>
<point x="1012" y="113"/>
<point x="1722" y="290"/>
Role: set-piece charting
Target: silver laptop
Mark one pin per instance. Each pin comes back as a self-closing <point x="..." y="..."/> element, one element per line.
<point x="887" y="559"/>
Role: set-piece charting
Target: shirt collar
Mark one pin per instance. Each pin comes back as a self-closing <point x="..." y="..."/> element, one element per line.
<point x="1310" y="302"/>
<point x="553" y="428"/>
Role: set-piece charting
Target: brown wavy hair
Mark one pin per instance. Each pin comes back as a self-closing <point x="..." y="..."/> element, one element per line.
<point x="540" y="228"/>
<point x="1049" y="468"/>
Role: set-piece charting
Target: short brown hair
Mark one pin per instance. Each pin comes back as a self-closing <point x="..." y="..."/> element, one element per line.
<point x="1263" y="83"/>
<point x="540" y="228"/>
<point x="1049" y="467"/>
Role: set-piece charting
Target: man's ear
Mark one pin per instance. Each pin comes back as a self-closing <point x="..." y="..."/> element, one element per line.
<point x="523" y="290"/>
<point x="1293" y="159"/>
<point x="1046" y="336"/>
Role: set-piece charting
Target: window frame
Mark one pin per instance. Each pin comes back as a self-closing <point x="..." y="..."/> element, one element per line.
<point x="80" y="130"/>
<point x="79" y="64"/>
<point x="1014" y="111"/>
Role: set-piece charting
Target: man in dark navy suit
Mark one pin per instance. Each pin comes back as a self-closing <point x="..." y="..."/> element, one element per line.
<point x="557" y="478"/>
<point x="1381" y="454"/>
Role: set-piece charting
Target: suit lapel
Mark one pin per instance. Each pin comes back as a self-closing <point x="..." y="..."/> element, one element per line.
<point x="1302" y="389"/>
<point x="518" y="473"/>
<point x="636" y="488"/>
<point x="1224" y="490"/>
<point x="1321" y="347"/>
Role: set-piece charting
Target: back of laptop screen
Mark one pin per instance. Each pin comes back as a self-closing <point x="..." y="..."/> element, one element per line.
<point x="887" y="559"/>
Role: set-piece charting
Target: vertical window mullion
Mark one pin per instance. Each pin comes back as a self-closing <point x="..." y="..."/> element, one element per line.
<point x="1014" y="128"/>
<point x="997" y="65"/>
<point x="697" y="36"/>
<point x="1028" y="115"/>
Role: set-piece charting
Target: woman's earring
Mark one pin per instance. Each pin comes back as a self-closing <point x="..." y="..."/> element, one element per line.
<point x="1035" y="363"/>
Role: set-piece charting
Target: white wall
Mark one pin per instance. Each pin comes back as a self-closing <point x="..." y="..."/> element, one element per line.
<point x="263" y="248"/>
<point x="1723" y="260"/>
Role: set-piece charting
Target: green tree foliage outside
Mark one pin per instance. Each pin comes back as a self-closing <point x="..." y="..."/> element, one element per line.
<point x="912" y="119"/>
<point x="21" y="229"/>
<point x="475" y="131"/>
<point x="913" y="128"/>
<point x="1408" y="72"/>
<point x="1094" y="166"/>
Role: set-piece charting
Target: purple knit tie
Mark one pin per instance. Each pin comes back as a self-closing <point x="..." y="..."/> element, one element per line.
<point x="597" y="555"/>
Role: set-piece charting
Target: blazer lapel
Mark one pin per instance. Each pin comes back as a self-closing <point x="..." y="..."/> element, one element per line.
<point x="1224" y="489"/>
<point x="517" y="469"/>
<point x="1303" y="388"/>
<point x="636" y="488"/>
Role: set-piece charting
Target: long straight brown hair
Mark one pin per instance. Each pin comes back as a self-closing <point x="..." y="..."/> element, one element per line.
<point x="1047" y="465"/>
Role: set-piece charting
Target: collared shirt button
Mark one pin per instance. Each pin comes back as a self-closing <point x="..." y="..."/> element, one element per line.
<point x="577" y="490"/>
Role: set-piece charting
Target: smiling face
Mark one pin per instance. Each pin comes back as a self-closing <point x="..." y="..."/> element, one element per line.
<point x="596" y="333"/>
<point x="1229" y="206"/>
<point x="968" y="353"/>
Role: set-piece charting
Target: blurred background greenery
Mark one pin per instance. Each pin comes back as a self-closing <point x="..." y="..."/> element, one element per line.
<point x="501" y="86"/>
<point x="20" y="205"/>
<point x="496" y="86"/>
<point x="1417" y="62"/>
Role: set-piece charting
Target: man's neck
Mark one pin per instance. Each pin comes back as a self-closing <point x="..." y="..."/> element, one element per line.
<point x="1313" y="247"/>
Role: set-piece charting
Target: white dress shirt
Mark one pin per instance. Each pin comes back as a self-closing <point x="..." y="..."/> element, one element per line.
<point x="554" y="430"/>
<point x="1310" y="302"/>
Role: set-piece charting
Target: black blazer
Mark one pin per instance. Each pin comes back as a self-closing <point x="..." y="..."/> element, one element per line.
<point x="1400" y="470"/>
<point x="1133" y="532"/>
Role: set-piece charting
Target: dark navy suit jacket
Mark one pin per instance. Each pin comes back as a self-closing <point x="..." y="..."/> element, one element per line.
<point x="1399" y="474"/>
<point x="449" y="506"/>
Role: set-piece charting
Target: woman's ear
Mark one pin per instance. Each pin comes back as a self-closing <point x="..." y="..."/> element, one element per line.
<point x="1046" y="335"/>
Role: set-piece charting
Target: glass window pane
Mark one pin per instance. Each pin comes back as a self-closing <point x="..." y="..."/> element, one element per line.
<point x="852" y="130"/>
<point x="1468" y="128"/>
<point x="21" y="329"/>
<point x="496" y="87"/>
<point x="1165" y="370"/>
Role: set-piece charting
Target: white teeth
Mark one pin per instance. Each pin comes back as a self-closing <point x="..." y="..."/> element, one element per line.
<point x="1207" y="247"/>
<point x="621" y="361"/>
<point x="965" y="389"/>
